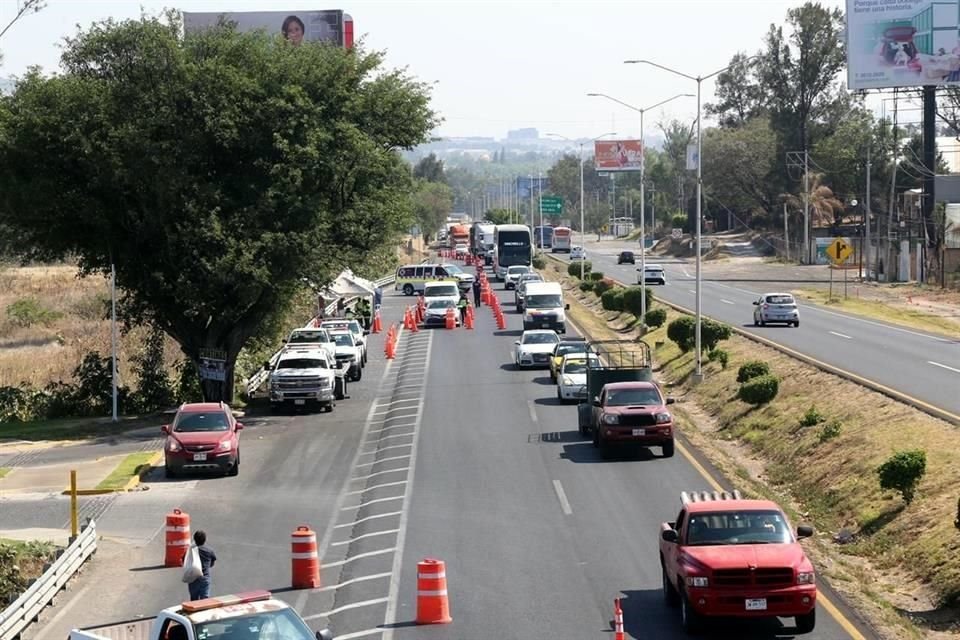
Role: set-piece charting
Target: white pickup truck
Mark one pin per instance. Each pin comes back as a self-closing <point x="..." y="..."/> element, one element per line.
<point x="255" y="615"/>
<point x="309" y="336"/>
<point x="306" y="374"/>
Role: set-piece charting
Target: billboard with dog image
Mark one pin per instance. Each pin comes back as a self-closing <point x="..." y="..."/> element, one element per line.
<point x="902" y="43"/>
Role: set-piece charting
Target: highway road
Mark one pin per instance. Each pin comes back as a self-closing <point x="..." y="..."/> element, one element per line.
<point x="923" y="365"/>
<point x="453" y="455"/>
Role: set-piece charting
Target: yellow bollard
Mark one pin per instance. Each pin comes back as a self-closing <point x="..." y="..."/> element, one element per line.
<point x="73" y="504"/>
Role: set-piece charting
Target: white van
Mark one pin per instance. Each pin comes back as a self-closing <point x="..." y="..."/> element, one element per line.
<point x="543" y="307"/>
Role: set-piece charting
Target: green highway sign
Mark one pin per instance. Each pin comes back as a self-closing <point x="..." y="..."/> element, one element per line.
<point x="551" y="205"/>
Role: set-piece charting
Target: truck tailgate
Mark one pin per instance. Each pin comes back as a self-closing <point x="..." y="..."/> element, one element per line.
<point x="137" y="629"/>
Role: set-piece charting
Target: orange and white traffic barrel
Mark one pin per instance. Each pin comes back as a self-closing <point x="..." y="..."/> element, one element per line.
<point x="433" y="606"/>
<point x="304" y="559"/>
<point x="177" y="538"/>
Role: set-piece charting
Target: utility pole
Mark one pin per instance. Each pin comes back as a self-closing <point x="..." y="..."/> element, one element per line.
<point x="113" y="335"/>
<point x="786" y="233"/>
<point x="866" y="219"/>
<point x="806" y="208"/>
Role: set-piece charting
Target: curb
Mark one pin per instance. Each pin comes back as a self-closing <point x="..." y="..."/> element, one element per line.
<point x="131" y="484"/>
<point x="899" y="396"/>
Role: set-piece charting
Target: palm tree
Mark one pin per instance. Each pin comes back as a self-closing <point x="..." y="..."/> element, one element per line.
<point x="824" y="205"/>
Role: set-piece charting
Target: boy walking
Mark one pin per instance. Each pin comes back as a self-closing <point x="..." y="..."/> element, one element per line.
<point x="200" y="588"/>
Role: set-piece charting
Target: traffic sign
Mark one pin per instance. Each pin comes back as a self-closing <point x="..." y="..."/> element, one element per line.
<point x="676" y="233"/>
<point x="551" y="205"/>
<point x="839" y="251"/>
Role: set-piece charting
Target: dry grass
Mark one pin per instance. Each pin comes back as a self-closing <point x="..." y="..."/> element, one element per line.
<point x="904" y="562"/>
<point x="41" y="354"/>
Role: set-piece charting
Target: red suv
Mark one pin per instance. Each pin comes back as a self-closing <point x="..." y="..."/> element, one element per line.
<point x="204" y="436"/>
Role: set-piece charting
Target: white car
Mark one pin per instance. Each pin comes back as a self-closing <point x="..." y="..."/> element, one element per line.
<point x="776" y="307"/>
<point x="578" y="253"/>
<point x="436" y="312"/>
<point x="513" y="275"/>
<point x="461" y="250"/>
<point x="353" y="326"/>
<point x="534" y="348"/>
<point x="652" y="273"/>
<point x="464" y="278"/>
<point x="349" y="354"/>
<point x="572" y="377"/>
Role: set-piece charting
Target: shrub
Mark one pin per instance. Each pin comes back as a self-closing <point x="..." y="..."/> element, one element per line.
<point x="573" y="268"/>
<point x="27" y="312"/>
<point x="752" y="369"/>
<point x="632" y="299"/>
<point x="14" y="404"/>
<point x="829" y="431"/>
<point x="902" y="472"/>
<point x="188" y="387"/>
<point x="759" y="390"/>
<point x="712" y="333"/>
<point x="596" y="275"/>
<point x="679" y="221"/>
<point x="154" y="390"/>
<point x="95" y="306"/>
<point x="612" y="300"/>
<point x="600" y="286"/>
<point x="811" y="418"/>
<point x="586" y="285"/>
<point x="539" y="262"/>
<point x="681" y="331"/>
<point x="655" y="317"/>
<point x="719" y="355"/>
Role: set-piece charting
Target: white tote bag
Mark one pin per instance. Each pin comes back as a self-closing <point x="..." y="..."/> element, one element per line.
<point x="192" y="569"/>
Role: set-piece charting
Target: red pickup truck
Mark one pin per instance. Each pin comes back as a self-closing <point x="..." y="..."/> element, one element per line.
<point x="726" y="556"/>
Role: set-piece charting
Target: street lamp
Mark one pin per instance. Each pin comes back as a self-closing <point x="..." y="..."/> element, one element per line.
<point x="583" y="231"/>
<point x="643" y="163"/>
<point x="698" y="373"/>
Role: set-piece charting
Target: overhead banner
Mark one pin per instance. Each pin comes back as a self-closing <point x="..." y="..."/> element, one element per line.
<point x="902" y="43"/>
<point x="617" y="155"/>
<point x="333" y="26"/>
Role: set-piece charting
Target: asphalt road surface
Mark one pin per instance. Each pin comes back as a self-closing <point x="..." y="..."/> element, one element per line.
<point x="923" y="365"/>
<point x="454" y="455"/>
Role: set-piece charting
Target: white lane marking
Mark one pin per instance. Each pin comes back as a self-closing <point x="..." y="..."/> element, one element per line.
<point x="396" y="435"/>
<point x="390" y="616"/>
<point x="562" y="497"/>
<point x="937" y="364"/>
<point x="366" y="535"/>
<point x="533" y="411"/>
<point x="725" y="286"/>
<point x="368" y="518"/>
<point x="394" y="426"/>
<point x="379" y="473"/>
<point x="725" y="301"/>
<point x="334" y="587"/>
<point x="370" y="464"/>
<point x="368" y="554"/>
<point x="377" y="486"/>
<point x="369" y="502"/>
<point x="692" y="290"/>
<point x="346" y="607"/>
<point x="813" y="307"/>
<point x="360" y="634"/>
<point x="842" y="335"/>
<point x="63" y="611"/>
<point x="401" y="417"/>
<point x="376" y="451"/>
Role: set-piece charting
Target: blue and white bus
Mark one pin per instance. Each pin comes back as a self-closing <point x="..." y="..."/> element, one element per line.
<point x="512" y="245"/>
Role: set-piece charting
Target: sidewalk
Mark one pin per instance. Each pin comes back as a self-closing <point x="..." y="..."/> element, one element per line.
<point x="55" y="478"/>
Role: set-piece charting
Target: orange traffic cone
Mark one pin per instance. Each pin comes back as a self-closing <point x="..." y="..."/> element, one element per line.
<point x="618" y="621"/>
<point x="377" y="326"/>
<point x="468" y="321"/>
<point x="451" y="320"/>
<point x="433" y="605"/>
<point x="414" y="321"/>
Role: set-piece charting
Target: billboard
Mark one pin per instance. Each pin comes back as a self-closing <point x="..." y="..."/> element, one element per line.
<point x="333" y="26"/>
<point x="907" y="43"/>
<point x="617" y="155"/>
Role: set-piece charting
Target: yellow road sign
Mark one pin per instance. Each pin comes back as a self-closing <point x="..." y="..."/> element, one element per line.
<point x="839" y="250"/>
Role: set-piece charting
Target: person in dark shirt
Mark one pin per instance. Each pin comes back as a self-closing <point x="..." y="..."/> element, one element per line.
<point x="200" y="588"/>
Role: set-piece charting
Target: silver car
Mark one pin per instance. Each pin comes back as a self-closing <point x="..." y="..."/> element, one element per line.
<point x="513" y="275"/>
<point x="521" y="291"/>
<point x="776" y="307"/>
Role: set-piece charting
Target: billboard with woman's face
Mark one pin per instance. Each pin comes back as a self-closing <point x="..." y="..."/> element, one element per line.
<point x="333" y="26"/>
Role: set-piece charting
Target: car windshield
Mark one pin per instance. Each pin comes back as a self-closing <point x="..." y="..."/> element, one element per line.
<point x="629" y="397"/>
<point x="545" y="301"/>
<point x="441" y="304"/>
<point x="577" y="366"/>
<point x="780" y="299"/>
<point x="563" y="349"/>
<point x="444" y="290"/>
<point x="515" y="271"/>
<point x="309" y="337"/>
<point x="452" y="268"/>
<point x="540" y="338"/>
<point x="626" y="254"/>
<point x="738" y="527"/>
<point x="302" y="363"/>
<point x="202" y="421"/>
<point x="281" y="625"/>
<point x="343" y="339"/>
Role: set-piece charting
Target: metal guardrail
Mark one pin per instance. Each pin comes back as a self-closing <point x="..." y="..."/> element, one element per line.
<point x="255" y="381"/>
<point x="25" y="609"/>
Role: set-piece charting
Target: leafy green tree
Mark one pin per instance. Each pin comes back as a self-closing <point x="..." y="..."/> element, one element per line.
<point x="430" y="169"/>
<point x="498" y="216"/>
<point x="565" y="181"/>
<point x="432" y="202"/>
<point x="739" y="93"/>
<point x="214" y="171"/>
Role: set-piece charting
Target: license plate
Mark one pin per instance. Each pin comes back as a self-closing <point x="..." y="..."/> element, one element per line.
<point x="544" y="325"/>
<point x="639" y="432"/>
<point x="756" y="604"/>
<point x="199" y="457"/>
<point x="300" y="401"/>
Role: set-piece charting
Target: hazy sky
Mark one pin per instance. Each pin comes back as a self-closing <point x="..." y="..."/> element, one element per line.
<point x="496" y="65"/>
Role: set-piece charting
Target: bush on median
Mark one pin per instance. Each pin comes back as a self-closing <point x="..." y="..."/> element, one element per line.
<point x="759" y="390"/>
<point x="573" y="268"/>
<point x="612" y="300"/>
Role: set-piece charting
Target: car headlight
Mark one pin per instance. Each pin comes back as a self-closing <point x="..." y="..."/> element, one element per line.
<point x="663" y="417"/>
<point x="172" y="445"/>
<point x="567" y="380"/>
<point x="698" y="581"/>
<point x="225" y="445"/>
<point x="324" y="383"/>
<point x="805" y="577"/>
<point x="609" y="418"/>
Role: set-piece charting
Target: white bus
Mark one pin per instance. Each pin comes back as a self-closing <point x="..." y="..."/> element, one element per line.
<point x="512" y="245"/>
<point x="562" y="237"/>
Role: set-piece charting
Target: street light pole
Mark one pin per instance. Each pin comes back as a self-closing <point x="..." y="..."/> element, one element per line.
<point x="698" y="373"/>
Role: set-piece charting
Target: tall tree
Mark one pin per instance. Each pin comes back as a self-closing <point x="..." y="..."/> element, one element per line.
<point x="564" y="178"/>
<point x="432" y="203"/>
<point x="429" y="168"/>
<point x="739" y="93"/>
<point x="214" y="171"/>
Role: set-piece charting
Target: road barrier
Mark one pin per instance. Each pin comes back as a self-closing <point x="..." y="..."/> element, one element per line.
<point x="25" y="609"/>
<point x="177" y="538"/>
<point x="433" y="605"/>
<point x="304" y="559"/>
<point x="617" y="621"/>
